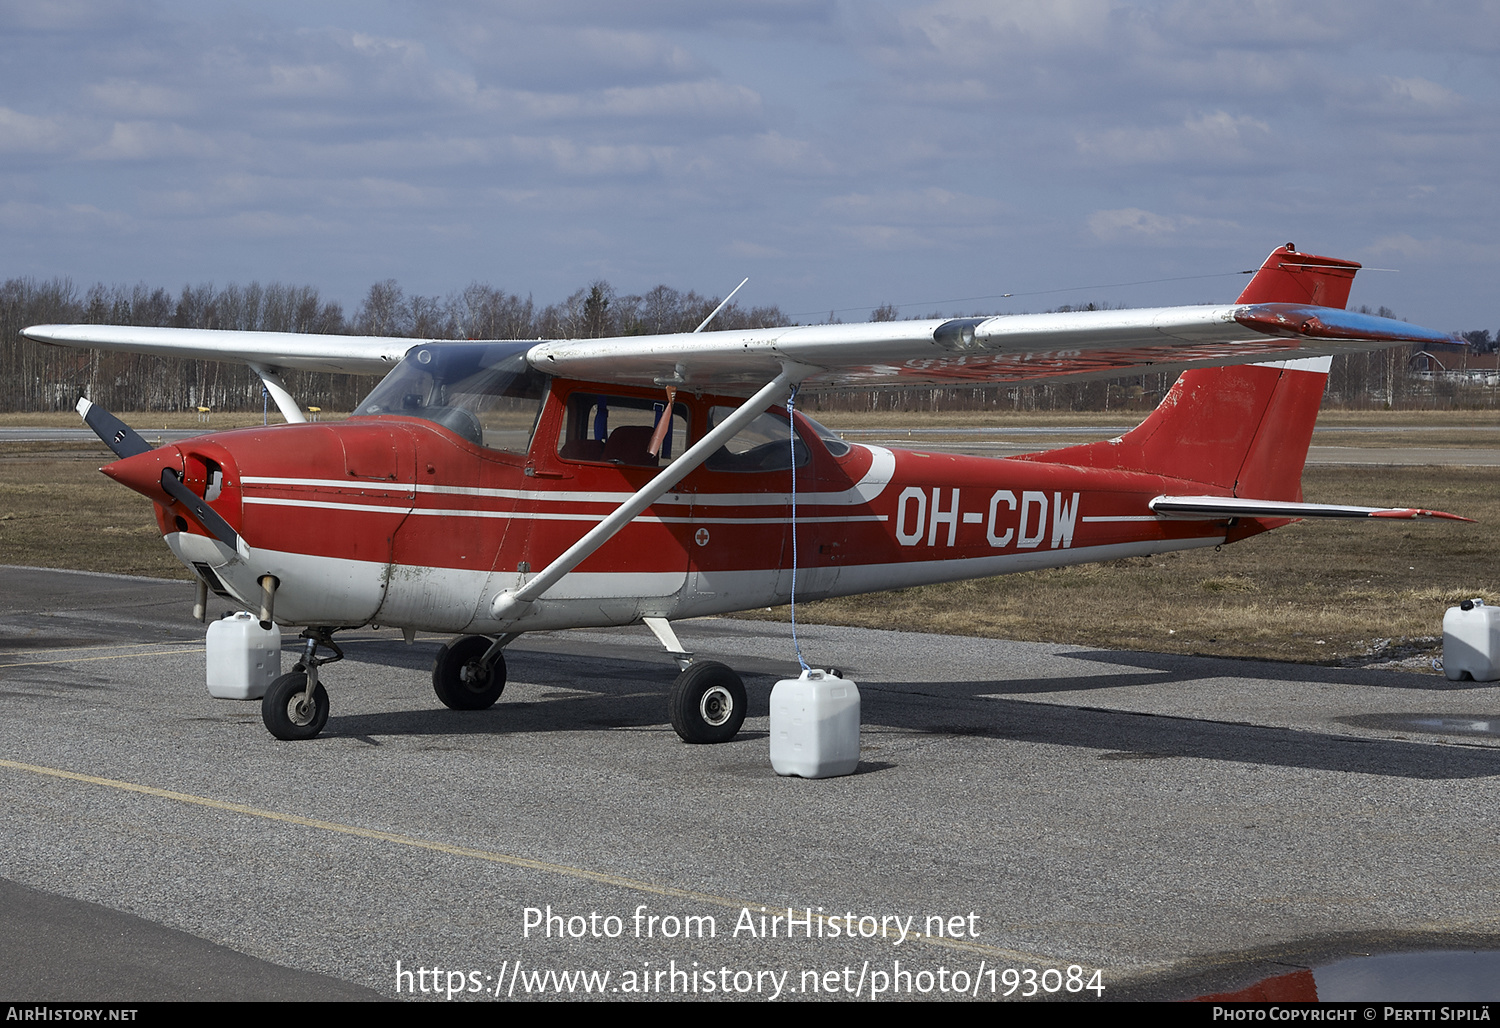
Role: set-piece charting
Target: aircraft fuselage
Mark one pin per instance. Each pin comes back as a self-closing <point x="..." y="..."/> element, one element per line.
<point x="397" y="521"/>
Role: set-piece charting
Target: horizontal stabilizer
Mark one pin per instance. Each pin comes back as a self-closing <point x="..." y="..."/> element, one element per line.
<point x="1214" y="508"/>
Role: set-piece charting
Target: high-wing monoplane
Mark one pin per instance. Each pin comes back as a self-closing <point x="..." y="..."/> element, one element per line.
<point x="488" y="489"/>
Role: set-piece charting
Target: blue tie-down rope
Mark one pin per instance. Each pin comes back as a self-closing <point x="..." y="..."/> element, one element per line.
<point x="791" y="406"/>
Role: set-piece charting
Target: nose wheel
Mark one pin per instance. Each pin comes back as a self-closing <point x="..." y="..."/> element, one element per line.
<point x="288" y="711"/>
<point x="296" y="705"/>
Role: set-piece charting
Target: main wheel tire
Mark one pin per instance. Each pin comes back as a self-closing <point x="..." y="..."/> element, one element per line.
<point x="285" y="710"/>
<point x="461" y="681"/>
<point x="707" y="703"/>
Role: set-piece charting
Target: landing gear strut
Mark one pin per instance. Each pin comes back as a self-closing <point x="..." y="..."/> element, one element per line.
<point x="295" y="706"/>
<point x="707" y="702"/>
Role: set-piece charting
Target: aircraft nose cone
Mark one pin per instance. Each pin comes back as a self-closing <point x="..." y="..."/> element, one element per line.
<point x="143" y="471"/>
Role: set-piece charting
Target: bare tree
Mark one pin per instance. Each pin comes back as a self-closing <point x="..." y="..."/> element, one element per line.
<point x="384" y="311"/>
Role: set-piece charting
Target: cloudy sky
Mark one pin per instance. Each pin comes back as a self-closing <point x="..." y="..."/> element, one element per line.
<point x="841" y="154"/>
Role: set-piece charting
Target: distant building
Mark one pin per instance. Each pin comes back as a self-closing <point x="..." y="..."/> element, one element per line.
<point x="1459" y="366"/>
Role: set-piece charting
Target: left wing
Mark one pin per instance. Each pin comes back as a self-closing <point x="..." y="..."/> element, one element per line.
<point x="958" y="351"/>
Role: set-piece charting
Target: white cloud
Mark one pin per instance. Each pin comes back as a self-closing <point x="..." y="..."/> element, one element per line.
<point x="931" y="206"/>
<point x="44" y="220"/>
<point x="598" y="159"/>
<point x="1133" y="223"/>
<point x="1129" y="221"/>
<point x="154" y="141"/>
<point x="703" y="99"/>
<point x="969" y="29"/>
<point x="132" y="97"/>
<point x="753" y="251"/>
<point x="305" y="81"/>
<point x="896" y="238"/>
<point x="1213" y="137"/>
<point x="23" y="133"/>
<point x="1403" y="245"/>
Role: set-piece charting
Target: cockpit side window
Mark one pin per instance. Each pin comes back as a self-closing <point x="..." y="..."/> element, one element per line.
<point x="762" y="445"/>
<point x="834" y="442"/>
<point x="620" y="430"/>
<point x="484" y="392"/>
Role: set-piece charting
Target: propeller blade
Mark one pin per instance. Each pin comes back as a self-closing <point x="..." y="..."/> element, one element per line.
<point x="117" y="435"/>
<point x="203" y="513"/>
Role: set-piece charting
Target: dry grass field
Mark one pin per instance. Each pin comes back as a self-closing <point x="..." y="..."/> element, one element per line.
<point x="1326" y="592"/>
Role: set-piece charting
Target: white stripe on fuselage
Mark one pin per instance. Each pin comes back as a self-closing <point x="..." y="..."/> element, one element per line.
<point x="868" y="488"/>
<point x="521" y="515"/>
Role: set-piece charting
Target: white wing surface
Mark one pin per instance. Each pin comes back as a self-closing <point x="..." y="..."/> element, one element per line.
<point x="971" y="351"/>
<point x="355" y="355"/>
<point x="1261" y="326"/>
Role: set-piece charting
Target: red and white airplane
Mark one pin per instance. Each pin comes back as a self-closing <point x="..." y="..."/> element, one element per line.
<point x="490" y="489"/>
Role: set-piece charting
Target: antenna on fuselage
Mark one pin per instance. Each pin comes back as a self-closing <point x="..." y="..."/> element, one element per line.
<point x="721" y="306"/>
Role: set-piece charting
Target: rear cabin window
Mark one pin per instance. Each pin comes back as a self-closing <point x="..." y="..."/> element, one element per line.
<point x="620" y="429"/>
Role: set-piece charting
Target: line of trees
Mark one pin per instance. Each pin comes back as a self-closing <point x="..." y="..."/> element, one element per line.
<point x="34" y="377"/>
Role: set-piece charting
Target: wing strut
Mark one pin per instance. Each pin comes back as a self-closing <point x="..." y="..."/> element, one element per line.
<point x="512" y="604"/>
<point x="277" y="388"/>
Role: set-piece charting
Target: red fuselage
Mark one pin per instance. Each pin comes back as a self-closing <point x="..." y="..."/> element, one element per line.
<point x="399" y="521"/>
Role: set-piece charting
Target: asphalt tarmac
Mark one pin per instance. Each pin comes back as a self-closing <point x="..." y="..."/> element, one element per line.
<point x="1027" y="815"/>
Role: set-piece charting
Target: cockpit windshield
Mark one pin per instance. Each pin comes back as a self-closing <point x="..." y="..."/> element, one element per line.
<point x="484" y="392"/>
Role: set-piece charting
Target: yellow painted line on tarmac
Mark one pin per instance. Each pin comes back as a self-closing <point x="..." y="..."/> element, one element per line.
<point x="75" y="649"/>
<point x="114" y="656"/>
<point x="601" y="877"/>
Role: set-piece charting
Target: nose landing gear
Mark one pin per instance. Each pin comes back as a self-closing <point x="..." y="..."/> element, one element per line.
<point x="296" y="706"/>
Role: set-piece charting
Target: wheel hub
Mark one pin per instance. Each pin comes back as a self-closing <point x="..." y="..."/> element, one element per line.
<point x="299" y="711"/>
<point x="717" y="706"/>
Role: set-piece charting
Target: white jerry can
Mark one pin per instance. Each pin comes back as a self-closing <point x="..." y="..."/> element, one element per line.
<point x="815" y="725"/>
<point x="1471" y="642"/>
<point x="243" y="658"/>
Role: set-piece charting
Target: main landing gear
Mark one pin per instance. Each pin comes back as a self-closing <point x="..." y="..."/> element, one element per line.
<point x="295" y="706"/>
<point x="706" y="703"/>
<point x="470" y="674"/>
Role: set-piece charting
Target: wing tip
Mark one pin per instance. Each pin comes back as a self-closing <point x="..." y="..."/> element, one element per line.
<point x="1418" y="514"/>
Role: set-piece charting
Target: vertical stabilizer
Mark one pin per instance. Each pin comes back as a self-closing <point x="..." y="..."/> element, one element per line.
<point x="1241" y="429"/>
<point x="1291" y="277"/>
